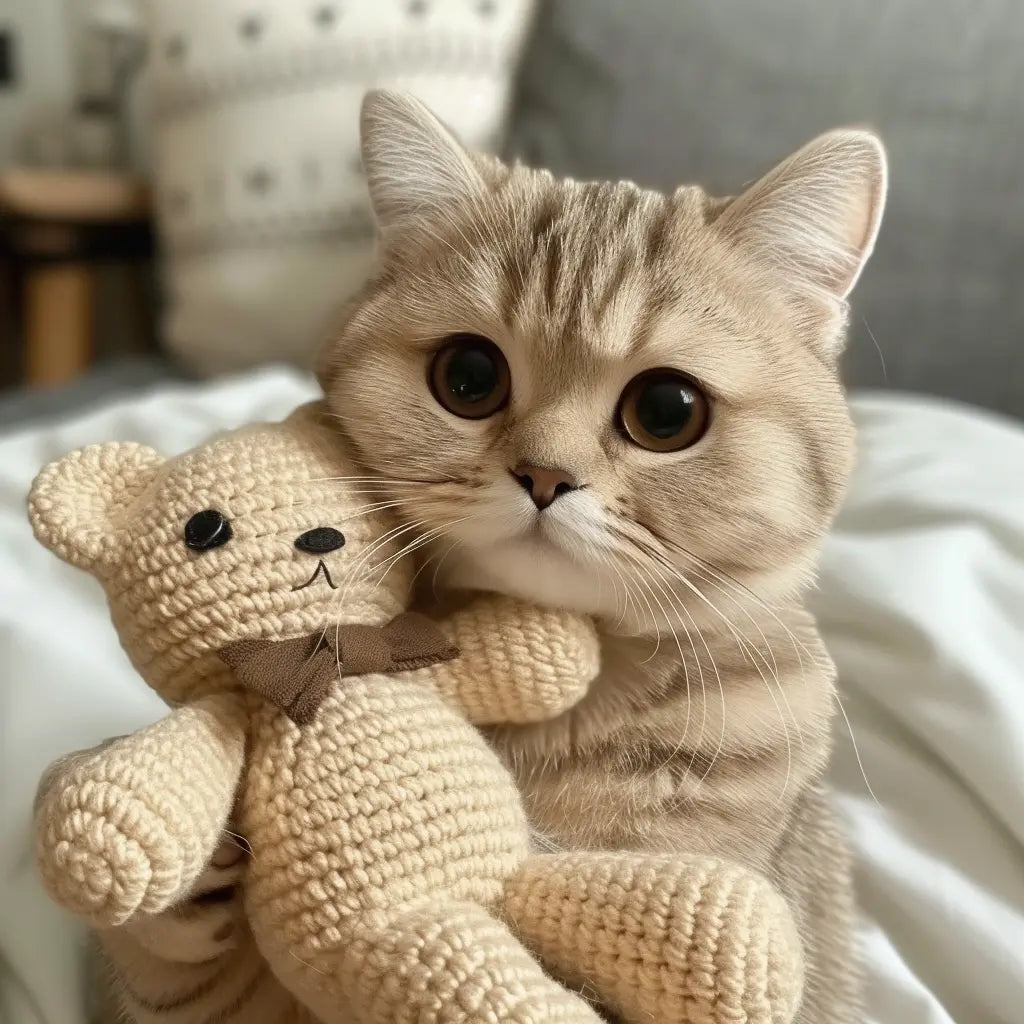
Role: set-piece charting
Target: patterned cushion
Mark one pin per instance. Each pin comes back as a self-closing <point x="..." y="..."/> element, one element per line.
<point x="261" y="203"/>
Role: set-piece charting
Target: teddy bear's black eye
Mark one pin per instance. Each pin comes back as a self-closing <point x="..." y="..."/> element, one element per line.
<point x="207" y="529"/>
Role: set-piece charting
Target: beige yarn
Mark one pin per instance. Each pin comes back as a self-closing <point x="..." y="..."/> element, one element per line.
<point x="392" y="880"/>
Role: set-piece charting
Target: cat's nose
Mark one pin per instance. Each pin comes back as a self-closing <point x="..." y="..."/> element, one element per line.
<point x="320" y="540"/>
<point x="543" y="484"/>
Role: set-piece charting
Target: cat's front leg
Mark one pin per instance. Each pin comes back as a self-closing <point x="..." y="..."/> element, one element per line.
<point x="208" y="923"/>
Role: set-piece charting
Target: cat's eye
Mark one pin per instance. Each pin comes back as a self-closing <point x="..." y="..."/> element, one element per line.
<point x="470" y="377"/>
<point x="207" y="529"/>
<point x="663" y="411"/>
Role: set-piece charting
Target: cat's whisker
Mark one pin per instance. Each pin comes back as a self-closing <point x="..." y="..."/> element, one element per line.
<point x="411" y="548"/>
<point x="749" y="651"/>
<point x="652" y="621"/>
<point x="236" y="839"/>
<point x="666" y="761"/>
<point x="628" y="551"/>
<point x="366" y="510"/>
<point x="628" y="598"/>
<point x="673" y="599"/>
<point x="419" y="572"/>
<point x="774" y="668"/>
<point x="421" y="540"/>
<point x="353" y="574"/>
<point x="606" y="561"/>
<point x="705" y="568"/>
<point x="741" y="639"/>
<point x="731" y="581"/>
<point x="856" y="748"/>
<point x="714" y="665"/>
<point x="756" y="654"/>
<point x="437" y="568"/>
<point x="380" y="479"/>
<point x="705" y="577"/>
<point x="797" y="644"/>
<point x="745" y="645"/>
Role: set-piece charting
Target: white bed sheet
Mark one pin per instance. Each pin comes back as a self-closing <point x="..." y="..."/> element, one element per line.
<point x="922" y="601"/>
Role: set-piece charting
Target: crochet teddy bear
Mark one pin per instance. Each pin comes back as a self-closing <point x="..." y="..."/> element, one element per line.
<point x="260" y="588"/>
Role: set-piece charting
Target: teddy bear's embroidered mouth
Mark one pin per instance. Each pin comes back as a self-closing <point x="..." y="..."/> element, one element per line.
<point x="321" y="570"/>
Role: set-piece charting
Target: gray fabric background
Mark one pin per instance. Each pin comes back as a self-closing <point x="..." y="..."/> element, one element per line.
<point x="716" y="90"/>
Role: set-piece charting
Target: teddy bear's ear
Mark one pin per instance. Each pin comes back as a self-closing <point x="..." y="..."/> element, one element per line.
<point x="76" y="503"/>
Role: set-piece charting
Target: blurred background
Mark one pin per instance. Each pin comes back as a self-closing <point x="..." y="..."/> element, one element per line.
<point x="180" y="190"/>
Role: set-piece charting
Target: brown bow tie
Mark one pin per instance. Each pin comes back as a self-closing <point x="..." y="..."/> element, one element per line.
<point x="296" y="675"/>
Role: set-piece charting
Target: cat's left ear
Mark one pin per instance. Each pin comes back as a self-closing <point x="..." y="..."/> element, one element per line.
<point x="415" y="167"/>
<point x="813" y="220"/>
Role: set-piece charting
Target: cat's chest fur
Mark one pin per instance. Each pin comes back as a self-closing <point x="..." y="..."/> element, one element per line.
<point x="700" y="741"/>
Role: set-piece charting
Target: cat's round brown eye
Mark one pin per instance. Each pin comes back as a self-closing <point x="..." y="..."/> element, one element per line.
<point x="470" y="377"/>
<point x="664" y="411"/>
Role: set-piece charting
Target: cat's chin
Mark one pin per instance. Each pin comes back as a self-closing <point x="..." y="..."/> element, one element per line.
<point x="534" y="569"/>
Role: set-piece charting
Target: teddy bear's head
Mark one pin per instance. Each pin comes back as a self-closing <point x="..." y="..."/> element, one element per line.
<point x="263" y="533"/>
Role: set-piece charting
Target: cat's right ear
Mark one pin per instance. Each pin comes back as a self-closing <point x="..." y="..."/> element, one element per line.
<point x="415" y="167"/>
<point x="813" y="220"/>
<point x="77" y="504"/>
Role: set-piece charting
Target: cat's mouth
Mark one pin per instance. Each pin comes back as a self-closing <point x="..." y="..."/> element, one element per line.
<point x="320" y="570"/>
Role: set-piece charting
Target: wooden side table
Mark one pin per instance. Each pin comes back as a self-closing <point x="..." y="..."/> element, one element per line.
<point x="55" y="227"/>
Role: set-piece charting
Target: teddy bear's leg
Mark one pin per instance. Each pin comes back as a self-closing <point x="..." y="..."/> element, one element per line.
<point x="450" y="962"/>
<point x="129" y="828"/>
<point x="662" y="938"/>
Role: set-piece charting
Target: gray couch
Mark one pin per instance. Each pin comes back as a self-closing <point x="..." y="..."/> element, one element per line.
<point x="665" y="91"/>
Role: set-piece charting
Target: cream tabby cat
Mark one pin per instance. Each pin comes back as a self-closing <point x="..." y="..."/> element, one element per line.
<point x="627" y="403"/>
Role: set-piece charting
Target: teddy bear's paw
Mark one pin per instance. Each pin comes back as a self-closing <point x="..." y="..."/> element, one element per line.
<point x="743" y="958"/>
<point x="545" y="658"/>
<point x="662" y="938"/>
<point x="105" y="855"/>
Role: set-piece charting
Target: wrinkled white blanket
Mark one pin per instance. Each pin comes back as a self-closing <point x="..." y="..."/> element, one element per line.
<point x="922" y="601"/>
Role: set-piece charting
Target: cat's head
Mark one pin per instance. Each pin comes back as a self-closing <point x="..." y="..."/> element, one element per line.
<point x="590" y="390"/>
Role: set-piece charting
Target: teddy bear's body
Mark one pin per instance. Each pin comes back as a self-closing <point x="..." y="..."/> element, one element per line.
<point x="392" y="879"/>
<point x="401" y="807"/>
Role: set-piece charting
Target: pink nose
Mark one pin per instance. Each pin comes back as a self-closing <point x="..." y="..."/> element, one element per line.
<point x="544" y="485"/>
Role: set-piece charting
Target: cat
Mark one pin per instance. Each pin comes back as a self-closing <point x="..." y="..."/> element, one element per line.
<point x="625" y="403"/>
<point x="600" y="397"/>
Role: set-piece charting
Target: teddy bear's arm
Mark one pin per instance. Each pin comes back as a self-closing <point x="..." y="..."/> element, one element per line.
<point x="130" y="827"/>
<point x="518" y="663"/>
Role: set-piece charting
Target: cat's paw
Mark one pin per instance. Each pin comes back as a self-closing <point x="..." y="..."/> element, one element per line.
<point x="209" y="923"/>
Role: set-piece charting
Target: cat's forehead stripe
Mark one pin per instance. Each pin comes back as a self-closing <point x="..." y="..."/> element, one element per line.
<point x="583" y="263"/>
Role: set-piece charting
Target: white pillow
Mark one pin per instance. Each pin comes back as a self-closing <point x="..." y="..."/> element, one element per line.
<point x="261" y="203"/>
